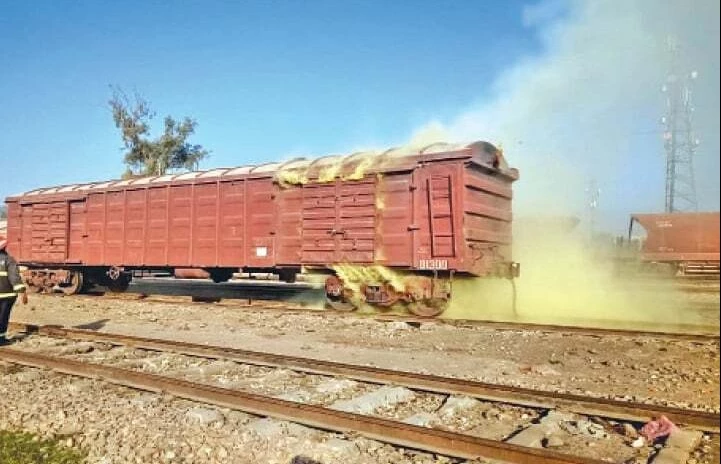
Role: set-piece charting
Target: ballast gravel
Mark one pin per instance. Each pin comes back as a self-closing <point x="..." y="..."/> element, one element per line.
<point x="152" y="428"/>
<point x="117" y="425"/>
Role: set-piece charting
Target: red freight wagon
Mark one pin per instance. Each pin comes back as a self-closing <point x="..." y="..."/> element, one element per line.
<point x="689" y="242"/>
<point x="388" y="228"/>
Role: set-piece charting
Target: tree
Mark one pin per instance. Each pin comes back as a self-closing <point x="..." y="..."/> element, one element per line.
<point x="3" y="212"/>
<point x="153" y="157"/>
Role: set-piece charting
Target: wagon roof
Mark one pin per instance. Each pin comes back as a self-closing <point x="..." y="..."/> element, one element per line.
<point x="298" y="170"/>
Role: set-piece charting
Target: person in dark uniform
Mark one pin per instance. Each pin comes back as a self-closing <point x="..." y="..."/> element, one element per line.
<point x="11" y="285"/>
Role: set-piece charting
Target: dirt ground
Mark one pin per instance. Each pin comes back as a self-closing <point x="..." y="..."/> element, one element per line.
<point x="674" y="373"/>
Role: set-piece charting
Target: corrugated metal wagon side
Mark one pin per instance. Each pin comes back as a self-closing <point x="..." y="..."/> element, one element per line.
<point x="387" y="228"/>
<point x="687" y="242"/>
<point x="219" y="221"/>
<point x="440" y="213"/>
<point x="488" y="218"/>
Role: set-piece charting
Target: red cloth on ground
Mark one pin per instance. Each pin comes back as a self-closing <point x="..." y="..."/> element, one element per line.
<point x="658" y="428"/>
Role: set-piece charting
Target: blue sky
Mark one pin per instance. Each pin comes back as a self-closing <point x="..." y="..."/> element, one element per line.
<point x="269" y="79"/>
<point x="263" y="79"/>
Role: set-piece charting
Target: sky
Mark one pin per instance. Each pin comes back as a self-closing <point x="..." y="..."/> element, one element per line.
<point x="569" y="88"/>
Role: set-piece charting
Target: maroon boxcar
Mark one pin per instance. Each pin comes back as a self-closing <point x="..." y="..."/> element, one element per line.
<point x="390" y="227"/>
<point x="688" y="242"/>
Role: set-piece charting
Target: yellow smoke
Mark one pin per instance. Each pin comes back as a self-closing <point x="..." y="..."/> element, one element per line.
<point x="354" y="275"/>
<point x="330" y="173"/>
<point x="433" y="132"/>
<point x="566" y="281"/>
<point x="379" y="197"/>
<point x="290" y="177"/>
<point x="360" y="170"/>
<point x="363" y="162"/>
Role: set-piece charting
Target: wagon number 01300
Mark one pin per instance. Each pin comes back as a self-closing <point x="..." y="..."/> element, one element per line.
<point x="434" y="264"/>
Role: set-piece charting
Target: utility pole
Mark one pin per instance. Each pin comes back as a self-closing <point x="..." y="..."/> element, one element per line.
<point x="679" y="140"/>
<point x="593" y="194"/>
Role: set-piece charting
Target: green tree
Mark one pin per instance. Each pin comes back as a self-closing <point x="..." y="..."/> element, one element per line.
<point x="144" y="155"/>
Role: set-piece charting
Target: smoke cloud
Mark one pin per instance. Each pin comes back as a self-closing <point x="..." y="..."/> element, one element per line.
<point x="588" y="106"/>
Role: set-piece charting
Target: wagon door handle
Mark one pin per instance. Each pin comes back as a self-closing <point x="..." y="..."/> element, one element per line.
<point x="336" y="232"/>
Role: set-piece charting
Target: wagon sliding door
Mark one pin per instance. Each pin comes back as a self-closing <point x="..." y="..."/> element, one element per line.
<point x="356" y="221"/>
<point x="180" y="213"/>
<point x="319" y="224"/>
<point x="26" y="233"/>
<point x="339" y="222"/>
<point x="436" y="207"/>
<point x="77" y="232"/>
<point x="53" y="232"/>
<point x="261" y="222"/>
<point x="396" y="238"/>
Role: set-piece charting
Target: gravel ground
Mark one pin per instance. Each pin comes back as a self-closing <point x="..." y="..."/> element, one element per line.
<point x="465" y="415"/>
<point x="584" y="436"/>
<point x="675" y="373"/>
<point x="121" y="425"/>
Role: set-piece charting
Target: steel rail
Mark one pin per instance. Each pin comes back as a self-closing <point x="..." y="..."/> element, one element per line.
<point x="397" y="433"/>
<point x="593" y="331"/>
<point x="579" y="404"/>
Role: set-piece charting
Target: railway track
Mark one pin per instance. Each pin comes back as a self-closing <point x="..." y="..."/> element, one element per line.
<point x="708" y="285"/>
<point x="637" y="412"/>
<point x="422" y="438"/>
<point x="444" y="442"/>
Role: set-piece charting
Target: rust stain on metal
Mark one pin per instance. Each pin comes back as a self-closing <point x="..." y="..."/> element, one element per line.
<point x="422" y="438"/>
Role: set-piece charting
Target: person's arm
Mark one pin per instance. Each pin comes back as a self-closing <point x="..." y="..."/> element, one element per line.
<point x="15" y="280"/>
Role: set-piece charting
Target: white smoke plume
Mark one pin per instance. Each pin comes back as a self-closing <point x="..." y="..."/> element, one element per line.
<point x="588" y="106"/>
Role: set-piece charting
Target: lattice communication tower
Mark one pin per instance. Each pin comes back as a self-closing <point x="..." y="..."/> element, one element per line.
<point x="680" y="143"/>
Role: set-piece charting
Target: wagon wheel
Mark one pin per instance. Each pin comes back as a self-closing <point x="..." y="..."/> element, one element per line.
<point x="74" y="284"/>
<point x="47" y="285"/>
<point x="220" y="275"/>
<point x="34" y="288"/>
<point x="340" y="305"/>
<point x="118" y="285"/>
<point x="428" y="307"/>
